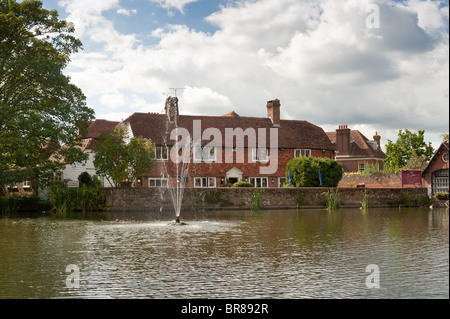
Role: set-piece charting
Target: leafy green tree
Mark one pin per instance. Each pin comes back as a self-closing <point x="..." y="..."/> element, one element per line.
<point x="121" y="160"/>
<point x="444" y="137"/>
<point x="40" y="109"/>
<point x="416" y="162"/>
<point x="304" y="172"/>
<point x="399" y="153"/>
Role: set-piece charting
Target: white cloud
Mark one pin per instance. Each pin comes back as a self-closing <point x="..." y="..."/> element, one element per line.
<point x="126" y="12"/>
<point x="203" y="101"/>
<point x="177" y="4"/>
<point x="317" y="57"/>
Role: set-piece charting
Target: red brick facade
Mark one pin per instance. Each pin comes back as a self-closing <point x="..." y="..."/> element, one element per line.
<point x="306" y="138"/>
<point x="356" y="152"/>
<point x="436" y="174"/>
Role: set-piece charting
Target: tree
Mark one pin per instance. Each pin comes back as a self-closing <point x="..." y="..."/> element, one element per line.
<point x="416" y="162"/>
<point x="399" y="153"/>
<point x="308" y="171"/>
<point x="120" y="161"/>
<point x="444" y="137"/>
<point x="40" y="109"/>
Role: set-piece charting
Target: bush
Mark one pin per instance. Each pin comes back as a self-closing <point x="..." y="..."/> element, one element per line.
<point x="85" y="179"/>
<point x="65" y="200"/>
<point x="305" y="172"/>
<point x="243" y="184"/>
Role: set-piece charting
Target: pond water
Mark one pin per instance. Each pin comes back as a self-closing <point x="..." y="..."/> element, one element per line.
<point x="236" y="254"/>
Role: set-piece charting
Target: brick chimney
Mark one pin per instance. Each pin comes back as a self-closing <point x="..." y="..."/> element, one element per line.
<point x="172" y="111"/>
<point x="343" y="140"/>
<point x="377" y="138"/>
<point x="273" y="112"/>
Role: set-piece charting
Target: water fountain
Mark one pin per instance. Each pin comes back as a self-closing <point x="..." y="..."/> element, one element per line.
<point x="182" y="164"/>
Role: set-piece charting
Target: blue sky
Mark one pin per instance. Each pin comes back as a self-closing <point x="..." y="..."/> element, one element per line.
<point x="317" y="56"/>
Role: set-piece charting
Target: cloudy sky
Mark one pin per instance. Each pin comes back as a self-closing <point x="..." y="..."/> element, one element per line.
<point x="329" y="62"/>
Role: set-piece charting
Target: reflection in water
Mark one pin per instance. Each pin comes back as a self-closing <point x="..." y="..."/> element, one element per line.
<point x="277" y="254"/>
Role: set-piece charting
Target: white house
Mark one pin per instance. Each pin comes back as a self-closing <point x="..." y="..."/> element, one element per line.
<point x="72" y="170"/>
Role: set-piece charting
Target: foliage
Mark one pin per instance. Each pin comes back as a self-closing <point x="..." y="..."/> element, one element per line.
<point x="120" y="161"/>
<point x="445" y="137"/>
<point x="257" y="197"/>
<point x="12" y="205"/>
<point x="243" y="184"/>
<point x="65" y="200"/>
<point x="85" y="178"/>
<point x="305" y="172"/>
<point x="400" y="152"/>
<point x="331" y="198"/>
<point x="39" y="108"/>
<point x="365" y="202"/>
<point x="416" y="161"/>
<point x="441" y="195"/>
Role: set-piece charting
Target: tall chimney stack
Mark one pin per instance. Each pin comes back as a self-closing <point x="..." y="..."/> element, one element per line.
<point x="377" y="138"/>
<point x="273" y="112"/>
<point x="172" y="111"/>
<point x="343" y="139"/>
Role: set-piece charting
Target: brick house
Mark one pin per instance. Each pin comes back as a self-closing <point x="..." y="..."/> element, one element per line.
<point x="355" y="151"/>
<point x="217" y="159"/>
<point x="436" y="174"/>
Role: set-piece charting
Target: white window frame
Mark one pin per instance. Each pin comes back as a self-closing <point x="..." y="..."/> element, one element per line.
<point x="205" y="156"/>
<point x="256" y="184"/>
<point x="445" y="157"/>
<point x="361" y="167"/>
<point x="26" y="183"/>
<point x="205" y="182"/>
<point x="161" y="153"/>
<point x="281" y="181"/>
<point x="260" y="155"/>
<point x="59" y="176"/>
<point x="161" y="181"/>
<point x="302" y="152"/>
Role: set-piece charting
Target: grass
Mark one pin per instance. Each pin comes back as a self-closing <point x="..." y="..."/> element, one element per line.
<point x="256" y="203"/>
<point x="365" y="202"/>
<point x="331" y="198"/>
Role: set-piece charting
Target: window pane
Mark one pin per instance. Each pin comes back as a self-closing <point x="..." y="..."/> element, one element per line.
<point x="264" y="182"/>
<point x="198" y="154"/>
<point x="198" y="182"/>
<point x="212" y="182"/>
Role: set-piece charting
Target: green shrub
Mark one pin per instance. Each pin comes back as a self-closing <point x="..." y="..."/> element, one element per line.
<point x="243" y="184"/>
<point x="65" y="200"/>
<point x="304" y="172"/>
<point x="85" y="179"/>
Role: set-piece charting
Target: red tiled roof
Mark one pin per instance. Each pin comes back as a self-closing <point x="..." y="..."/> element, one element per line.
<point x="359" y="146"/>
<point x="231" y="114"/>
<point x="292" y="134"/>
<point x="99" y="127"/>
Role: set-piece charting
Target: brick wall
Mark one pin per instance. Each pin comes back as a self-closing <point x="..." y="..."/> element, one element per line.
<point x="156" y="200"/>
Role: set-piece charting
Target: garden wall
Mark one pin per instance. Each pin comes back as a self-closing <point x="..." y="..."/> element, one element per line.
<point x="157" y="200"/>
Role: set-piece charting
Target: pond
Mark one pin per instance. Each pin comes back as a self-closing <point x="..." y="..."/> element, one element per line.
<point x="381" y="253"/>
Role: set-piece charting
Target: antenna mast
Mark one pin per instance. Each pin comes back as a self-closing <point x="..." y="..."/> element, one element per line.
<point x="175" y="90"/>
